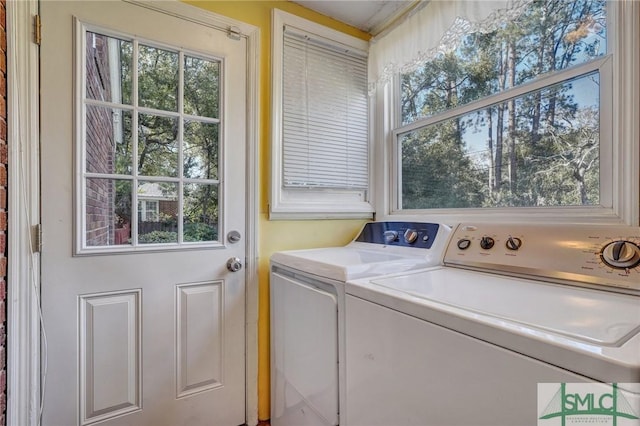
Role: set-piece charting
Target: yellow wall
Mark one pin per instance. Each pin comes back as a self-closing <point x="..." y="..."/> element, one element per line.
<point x="279" y="235"/>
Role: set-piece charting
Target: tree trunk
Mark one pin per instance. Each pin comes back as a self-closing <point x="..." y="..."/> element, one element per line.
<point x="492" y="162"/>
<point x="512" y="121"/>
<point x="499" y="137"/>
<point x="502" y="82"/>
<point x="537" y="100"/>
<point x="578" y="174"/>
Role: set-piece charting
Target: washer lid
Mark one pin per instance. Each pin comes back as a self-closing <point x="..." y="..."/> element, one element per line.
<point x="604" y="318"/>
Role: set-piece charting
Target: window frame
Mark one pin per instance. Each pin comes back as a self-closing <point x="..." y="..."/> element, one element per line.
<point x="81" y="248"/>
<point x="308" y="203"/>
<point x="619" y="108"/>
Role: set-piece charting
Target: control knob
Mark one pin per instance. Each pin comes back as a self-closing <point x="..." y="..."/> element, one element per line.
<point x="513" y="243"/>
<point x="390" y="236"/>
<point x="621" y="254"/>
<point x="487" y="242"/>
<point x="410" y="235"/>
<point x="464" y="243"/>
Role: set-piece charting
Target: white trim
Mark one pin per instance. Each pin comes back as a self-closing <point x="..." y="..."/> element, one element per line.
<point x="23" y="326"/>
<point x="306" y="203"/>
<point x="626" y="110"/>
<point x="23" y="348"/>
<point x="252" y="232"/>
<point x="621" y="205"/>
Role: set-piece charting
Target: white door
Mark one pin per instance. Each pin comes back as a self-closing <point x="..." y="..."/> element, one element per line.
<point x="143" y="180"/>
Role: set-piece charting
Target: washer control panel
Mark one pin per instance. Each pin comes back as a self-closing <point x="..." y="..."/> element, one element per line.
<point x="404" y="234"/>
<point x="590" y="254"/>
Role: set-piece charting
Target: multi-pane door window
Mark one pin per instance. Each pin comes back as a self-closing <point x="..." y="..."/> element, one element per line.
<point x="151" y="138"/>
<point x="512" y="116"/>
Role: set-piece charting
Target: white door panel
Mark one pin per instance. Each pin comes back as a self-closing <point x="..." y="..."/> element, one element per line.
<point x="139" y="334"/>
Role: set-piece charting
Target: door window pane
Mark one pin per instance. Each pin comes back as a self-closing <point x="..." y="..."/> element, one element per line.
<point x="108" y="212"/>
<point x="201" y="150"/>
<point x="108" y="140"/>
<point x="108" y="68"/>
<point x="201" y="87"/>
<point x="200" y="212"/>
<point x="157" y="212"/>
<point x="157" y="145"/>
<point x="158" y="78"/>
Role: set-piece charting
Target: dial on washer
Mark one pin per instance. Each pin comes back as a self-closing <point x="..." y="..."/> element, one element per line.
<point x="621" y="254"/>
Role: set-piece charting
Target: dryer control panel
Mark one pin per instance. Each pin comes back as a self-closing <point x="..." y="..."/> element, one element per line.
<point x="404" y="234"/>
<point x="583" y="254"/>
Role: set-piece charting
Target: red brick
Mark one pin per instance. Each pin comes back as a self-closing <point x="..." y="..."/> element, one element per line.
<point x="3" y="126"/>
<point x="3" y="223"/>
<point x="3" y="175"/>
<point x="3" y="295"/>
<point x="3" y="154"/>
<point x="3" y="270"/>
<point x="3" y="14"/>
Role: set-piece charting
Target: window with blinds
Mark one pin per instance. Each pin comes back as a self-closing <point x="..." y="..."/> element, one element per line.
<point x="320" y="143"/>
<point x="324" y="113"/>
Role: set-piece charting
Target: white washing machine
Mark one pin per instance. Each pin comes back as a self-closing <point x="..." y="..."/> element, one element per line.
<point x="523" y="325"/>
<point x="307" y="313"/>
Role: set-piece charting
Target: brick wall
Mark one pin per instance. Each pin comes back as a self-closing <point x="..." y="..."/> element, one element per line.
<point x="3" y="211"/>
<point x="100" y="145"/>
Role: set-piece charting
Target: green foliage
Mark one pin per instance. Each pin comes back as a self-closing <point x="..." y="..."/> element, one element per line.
<point x="193" y="232"/>
<point x="156" y="237"/>
<point x="200" y="232"/>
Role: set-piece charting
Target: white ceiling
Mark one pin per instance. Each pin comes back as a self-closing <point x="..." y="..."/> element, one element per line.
<point x="370" y="16"/>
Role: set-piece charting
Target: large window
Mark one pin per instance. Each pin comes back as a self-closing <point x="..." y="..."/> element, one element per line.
<point x="513" y="113"/>
<point x="320" y="124"/>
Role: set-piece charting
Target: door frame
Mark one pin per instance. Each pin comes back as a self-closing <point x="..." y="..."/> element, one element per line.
<point x="23" y="280"/>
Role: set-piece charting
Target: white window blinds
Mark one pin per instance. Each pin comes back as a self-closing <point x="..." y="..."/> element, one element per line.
<point x="324" y="122"/>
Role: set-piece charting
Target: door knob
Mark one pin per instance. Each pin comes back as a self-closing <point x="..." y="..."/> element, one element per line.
<point x="234" y="264"/>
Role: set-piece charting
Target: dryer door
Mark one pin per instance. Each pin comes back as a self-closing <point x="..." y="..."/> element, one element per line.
<point x="304" y="354"/>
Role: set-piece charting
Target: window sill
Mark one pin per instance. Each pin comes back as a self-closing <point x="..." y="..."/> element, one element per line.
<point x="306" y="211"/>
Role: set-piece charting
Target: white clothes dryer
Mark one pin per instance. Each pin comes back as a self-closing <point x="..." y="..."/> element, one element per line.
<point x="307" y="313"/>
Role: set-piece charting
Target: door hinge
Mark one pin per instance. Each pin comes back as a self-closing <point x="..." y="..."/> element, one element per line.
<point x="37" y="30"/>
<point x="234" y="33"/>
<point x="36" y="238"/>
